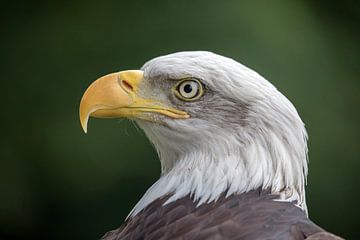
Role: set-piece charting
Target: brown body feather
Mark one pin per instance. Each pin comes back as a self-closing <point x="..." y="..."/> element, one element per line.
<point x="248" y="216"/>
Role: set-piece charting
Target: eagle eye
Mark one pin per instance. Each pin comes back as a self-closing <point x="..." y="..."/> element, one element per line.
<point x="188" y="89"/>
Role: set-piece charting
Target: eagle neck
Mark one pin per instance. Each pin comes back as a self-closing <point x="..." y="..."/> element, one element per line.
<point x="205" y="173"/>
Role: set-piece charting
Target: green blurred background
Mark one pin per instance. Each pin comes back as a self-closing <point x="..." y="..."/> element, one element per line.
<point x="58" y="183"/>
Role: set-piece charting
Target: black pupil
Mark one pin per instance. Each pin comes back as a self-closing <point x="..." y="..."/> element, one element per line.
<point x="188" y="88"/>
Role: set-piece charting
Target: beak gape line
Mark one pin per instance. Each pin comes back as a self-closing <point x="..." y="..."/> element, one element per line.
<point x="115" y="96"/>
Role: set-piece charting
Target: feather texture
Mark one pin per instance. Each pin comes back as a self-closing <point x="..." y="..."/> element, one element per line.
<point x="248" y="216"/>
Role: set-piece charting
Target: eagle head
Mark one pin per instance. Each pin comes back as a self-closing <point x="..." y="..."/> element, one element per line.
<point x="218" y="127"/>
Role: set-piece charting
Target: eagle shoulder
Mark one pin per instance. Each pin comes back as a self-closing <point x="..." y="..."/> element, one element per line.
<point x="251" y="215"/>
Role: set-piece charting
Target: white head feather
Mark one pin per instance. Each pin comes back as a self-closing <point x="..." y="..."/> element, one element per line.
<point x="253" y="139"/>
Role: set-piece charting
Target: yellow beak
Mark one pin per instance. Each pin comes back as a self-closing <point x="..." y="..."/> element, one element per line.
<point x="115" y="96"/>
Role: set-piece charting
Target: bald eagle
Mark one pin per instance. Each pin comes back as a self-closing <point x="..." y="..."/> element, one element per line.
<point x="233" y="150"/>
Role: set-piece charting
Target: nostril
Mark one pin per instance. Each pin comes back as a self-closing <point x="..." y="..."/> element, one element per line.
<point x="127" y="86"/>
